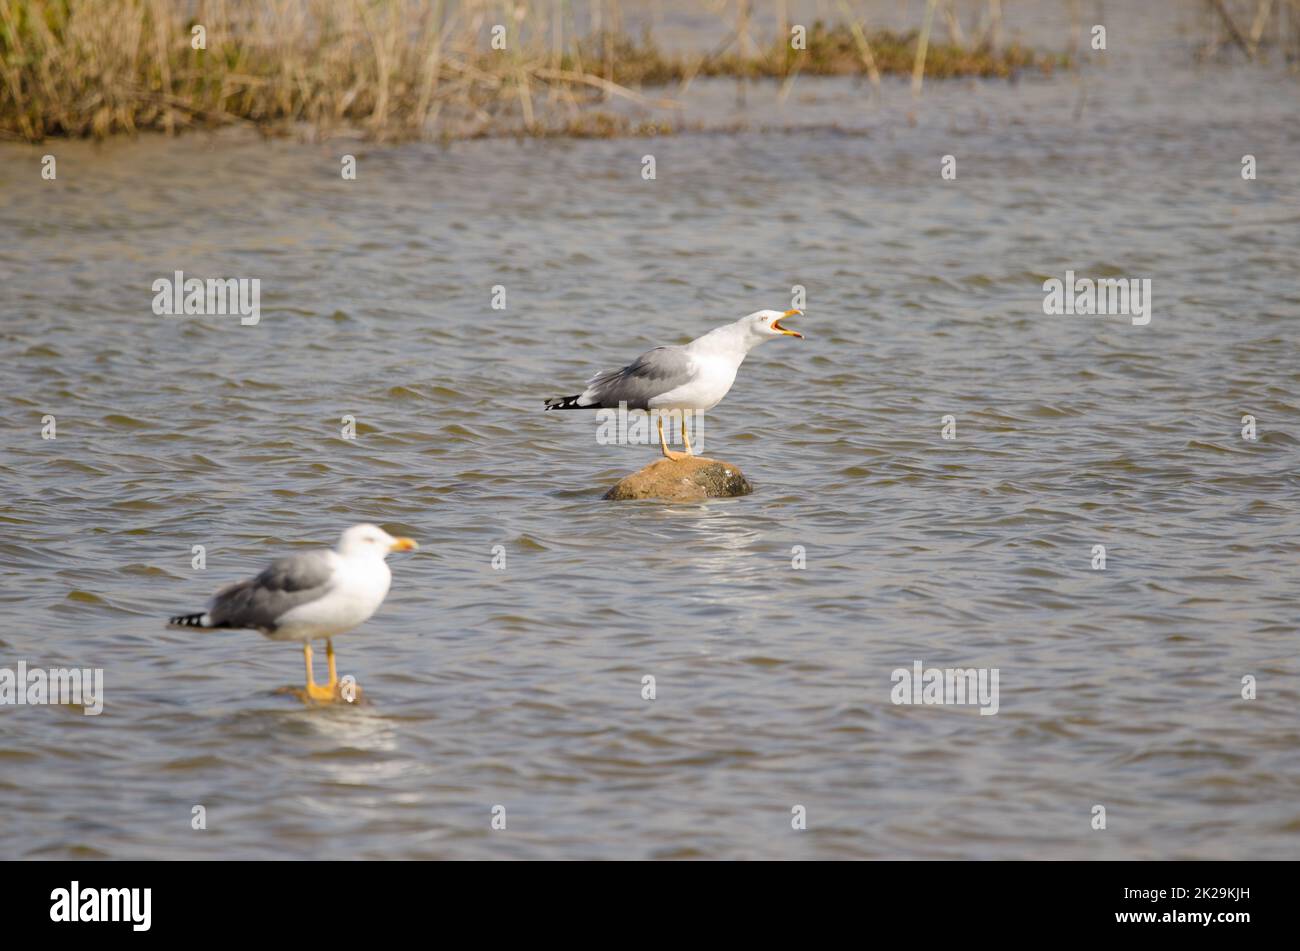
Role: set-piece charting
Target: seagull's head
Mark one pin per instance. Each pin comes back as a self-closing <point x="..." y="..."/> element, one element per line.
<point x="766" y="324"/>
<point x="371" y="540"/>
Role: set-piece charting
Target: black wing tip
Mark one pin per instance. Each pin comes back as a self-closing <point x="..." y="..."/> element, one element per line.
<point x="188" y="620"/>
<point x="565" y="402"/>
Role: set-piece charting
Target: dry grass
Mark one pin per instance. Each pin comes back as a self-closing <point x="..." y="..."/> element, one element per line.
<point x="392" y="68"/>
<point x="832" y="50"/>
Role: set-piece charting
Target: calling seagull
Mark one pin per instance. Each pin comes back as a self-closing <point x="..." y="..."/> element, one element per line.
<point x="693" y="377"/>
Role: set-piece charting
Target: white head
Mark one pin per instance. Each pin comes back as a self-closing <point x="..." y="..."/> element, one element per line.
<point x="766" y="324"/>
<point x="371" y="540"/>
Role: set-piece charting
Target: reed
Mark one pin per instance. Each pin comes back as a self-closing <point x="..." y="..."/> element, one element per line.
<point x="1255" y="28"/>
<point x="392" y="68"/>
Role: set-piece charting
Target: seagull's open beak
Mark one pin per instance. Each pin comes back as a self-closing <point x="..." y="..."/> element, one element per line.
<point x="776" y="324"/>
<point x="403" y="544"/>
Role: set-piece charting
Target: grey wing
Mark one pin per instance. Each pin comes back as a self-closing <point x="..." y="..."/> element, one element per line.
<point x="652" y="374"/>
<point x="260" y="602"/>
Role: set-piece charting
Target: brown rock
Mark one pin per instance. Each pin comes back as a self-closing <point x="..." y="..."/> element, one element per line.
<point x="342" y="694"/>
<point x="683" y="480"/>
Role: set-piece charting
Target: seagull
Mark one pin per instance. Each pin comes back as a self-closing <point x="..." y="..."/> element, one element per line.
<point x="692" y="377"/>
<point x="311" y="595"/>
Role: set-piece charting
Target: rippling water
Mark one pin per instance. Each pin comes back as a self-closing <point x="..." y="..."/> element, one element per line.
<point x="522" y="687"/>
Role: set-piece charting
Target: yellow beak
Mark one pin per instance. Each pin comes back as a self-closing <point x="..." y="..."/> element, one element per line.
<point x="403" y="544"/>
<point x="776" y="324"/>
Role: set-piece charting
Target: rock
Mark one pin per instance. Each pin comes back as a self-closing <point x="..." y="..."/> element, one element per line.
<point x="346" y="691"/>
<point x="683" y="480"/>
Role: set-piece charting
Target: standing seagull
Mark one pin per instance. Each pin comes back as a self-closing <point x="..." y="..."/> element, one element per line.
<point x="694" y="377"/>
<point x="315" y="594"/>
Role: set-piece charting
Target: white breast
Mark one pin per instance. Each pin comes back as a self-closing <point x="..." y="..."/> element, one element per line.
<point x="714" y="374"/>
<point x="360" y="588"/>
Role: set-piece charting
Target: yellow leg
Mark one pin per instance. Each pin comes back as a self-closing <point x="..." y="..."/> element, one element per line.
<point x="663" y="444"/>
<point x="686" y="440"/>
<point x="312" y="691"/>
<point x="329" y="654"/>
